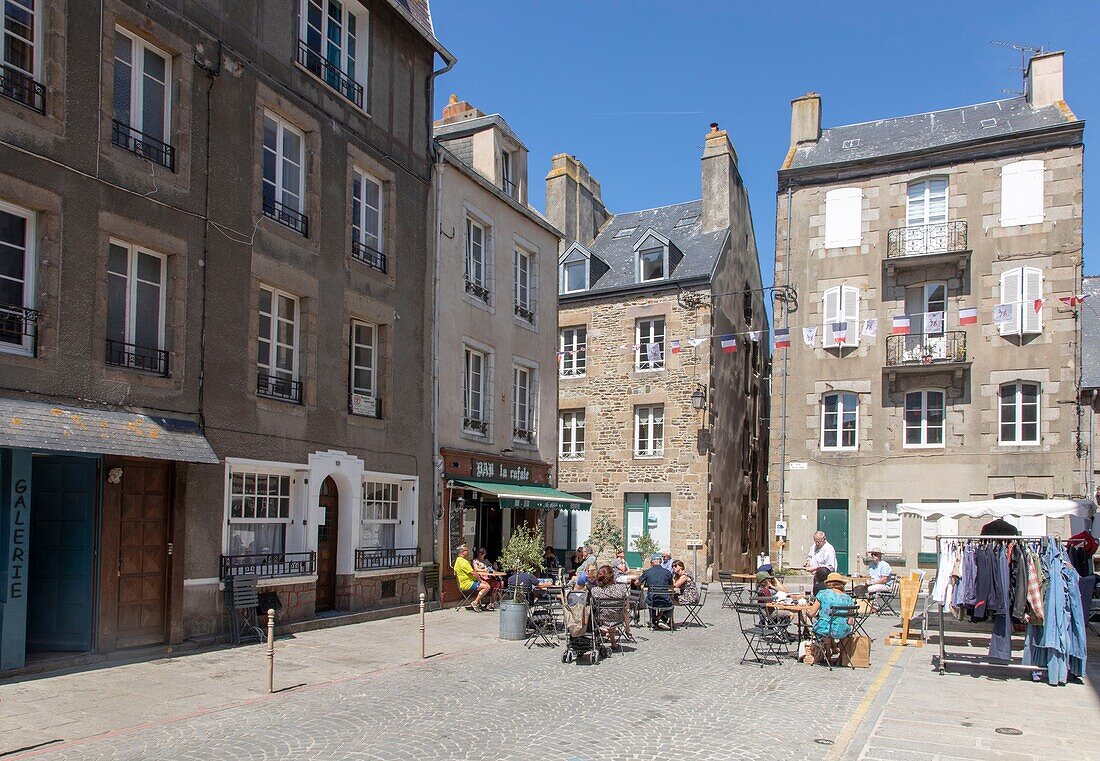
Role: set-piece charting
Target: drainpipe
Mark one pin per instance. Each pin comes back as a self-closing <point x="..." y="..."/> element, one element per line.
<point x="783" y="403"/>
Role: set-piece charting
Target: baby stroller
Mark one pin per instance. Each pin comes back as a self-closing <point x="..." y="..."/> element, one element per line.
<point x="580" y="633"/>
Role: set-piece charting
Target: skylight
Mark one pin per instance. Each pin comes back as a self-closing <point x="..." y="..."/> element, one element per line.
<point x="625" y="232"/>
<point x="848" y="145"/>
<point x="688" y="220"/>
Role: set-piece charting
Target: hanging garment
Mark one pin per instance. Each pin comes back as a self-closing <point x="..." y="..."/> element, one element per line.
<point x="943" y="574"/>
<point x="998" y="606"/>
<point x="984" y="592"/>
<point x="970" y="577"/>
<point x="1059" y="643"/>
<point x="1034" y="595"/>
<point x="1018" y="582"/>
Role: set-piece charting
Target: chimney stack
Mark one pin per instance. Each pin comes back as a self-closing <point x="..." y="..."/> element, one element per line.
<point x="806" y="119"/>
<point x="720" y="177"/>
<point x="1044" y="79"/>
<point x="457" y="110"/>
<point x="573" y="202"/>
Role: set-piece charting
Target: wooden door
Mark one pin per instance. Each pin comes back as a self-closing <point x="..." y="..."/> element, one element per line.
<point x="327" y="536"/>
<point x="832" y="518"/>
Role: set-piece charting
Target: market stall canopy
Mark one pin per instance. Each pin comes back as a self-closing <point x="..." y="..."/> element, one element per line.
<point x="1001" y="508"/>
<point x="523" y="497"/>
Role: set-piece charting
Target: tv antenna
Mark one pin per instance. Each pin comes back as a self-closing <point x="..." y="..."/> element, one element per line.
<point x="1026" y="51"/>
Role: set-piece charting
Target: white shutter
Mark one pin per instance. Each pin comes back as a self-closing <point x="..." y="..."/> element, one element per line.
<point x="850" y="314"/>
<point x="1033" y="289"/>
<point x="1010" y="294"/>
<point x="832" y="314"/>
<point x="843" y="217"/>
<point x="1022" y="193"/>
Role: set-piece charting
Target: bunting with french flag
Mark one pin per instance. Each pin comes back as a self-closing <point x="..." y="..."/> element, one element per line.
<point x="675" y="347"/>
<point x="1075" y="300"/>
<point x="729" y="343"/>
<point x="782" y="338"/>
<point x="1039" y="305"/>
<point x="900" y="325"/>
<point x="968" y="316"/>
<point x="840" y="332"/>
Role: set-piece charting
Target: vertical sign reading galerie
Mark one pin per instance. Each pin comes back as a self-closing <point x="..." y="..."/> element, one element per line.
<point x="13" y="624"/>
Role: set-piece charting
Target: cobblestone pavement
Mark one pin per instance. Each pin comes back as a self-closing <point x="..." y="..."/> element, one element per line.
<point x="679" y="695"/>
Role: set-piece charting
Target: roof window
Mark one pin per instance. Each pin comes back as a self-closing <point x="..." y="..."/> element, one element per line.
<point x="687" y="220"/>
<point x="848" y="145"/>
<point x="625" y="232"/>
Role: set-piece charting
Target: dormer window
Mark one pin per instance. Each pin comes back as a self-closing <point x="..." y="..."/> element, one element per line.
<point x="652" y="264"/>
<point x="507" y="183"/>
<point x="574" y="272"/>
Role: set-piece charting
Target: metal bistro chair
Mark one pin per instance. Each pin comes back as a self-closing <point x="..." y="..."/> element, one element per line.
<point x="731" y="590"/>
<point x="834" y="614"/>
<point x="637" y="605"/>
<point x="764" y="637"/>
<point x="243" y="601"/>
<point x="617" y="610"/>
<point x="540" y="619"/>
<point x="656" y="592"/>
<point x="692" y="610"/>
<point x="883" y="602"/>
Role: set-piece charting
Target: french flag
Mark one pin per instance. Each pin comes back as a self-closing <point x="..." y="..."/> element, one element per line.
<point x="1072" y="301"/>
<point x="729" y="343"/>
<point x="675" y="347"/>
<point x="782" y="338"/>
<point x="840" y="332"/>
<point x="968" y="316"/>
<point x="900" y="325"/>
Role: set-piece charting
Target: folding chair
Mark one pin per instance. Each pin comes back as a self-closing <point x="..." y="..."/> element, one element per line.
<point x="692" y="610"/>
<point x="242" y="602"/>
<point x="763" y="638"/>
<point x="731" y="591"/>
<point x="883" y="602"/>
<point x="659" y="600"/>
<point x="637" y="605"/>
<point x="540" y="618"/>
<point x="834" y="614"/>
<point x="608" y="610"/>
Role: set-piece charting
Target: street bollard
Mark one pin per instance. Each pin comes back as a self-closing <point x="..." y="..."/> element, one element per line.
<point x="271" y="650"/>
<point x="421" y="625"/>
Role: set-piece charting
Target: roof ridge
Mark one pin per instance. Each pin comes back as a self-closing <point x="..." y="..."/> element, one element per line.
<point x="925" y="113"/>
<point x="654" y="208"/>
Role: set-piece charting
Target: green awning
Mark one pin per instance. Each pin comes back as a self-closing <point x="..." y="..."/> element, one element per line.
<point x="523" y="497"/>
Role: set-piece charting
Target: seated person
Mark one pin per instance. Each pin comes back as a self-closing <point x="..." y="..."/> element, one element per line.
<point x="484" y="569"/>
<point x="684" y="582"/>
<point x="550" y="562"/>
<point x="618" y="565"/>
<point x="575" y="559"/>
<point x="586" y="566"/>
<point x="666" y="560"/>
<point x="832" y="630"/>
<point x="657" y="576"/>
<point x="528" y="582"/>
<point x="878" y="571"/>
<point x="771" y="589"/>
<point x="467" y="578"/>
<point x="604" y="589"/>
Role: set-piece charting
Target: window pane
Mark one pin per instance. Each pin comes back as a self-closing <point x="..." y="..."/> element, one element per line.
<point x="123" y="77"/>
<point x="574" y="276"/>
<point x="147" y="316"/>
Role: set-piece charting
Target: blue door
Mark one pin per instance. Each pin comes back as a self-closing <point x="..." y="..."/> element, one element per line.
<point x="60" y="577"/>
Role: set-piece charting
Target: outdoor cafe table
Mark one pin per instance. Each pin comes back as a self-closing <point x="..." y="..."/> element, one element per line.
<point x="804" y="620"/>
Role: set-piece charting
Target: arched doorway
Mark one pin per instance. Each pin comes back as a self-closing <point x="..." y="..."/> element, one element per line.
<point x="327" y="535"/>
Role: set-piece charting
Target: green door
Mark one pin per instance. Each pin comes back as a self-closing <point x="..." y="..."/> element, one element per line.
<point x="832" y="518"/>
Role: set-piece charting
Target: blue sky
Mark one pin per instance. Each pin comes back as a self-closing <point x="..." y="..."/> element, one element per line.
<point x="631" y="87"/>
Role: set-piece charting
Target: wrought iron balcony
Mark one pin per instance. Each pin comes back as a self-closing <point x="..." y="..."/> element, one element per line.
<point x="475" y="425"/>
<point x="576" y="371"/>
<point x="523" y="435"/>
<point x="17" y="86"/>
<point x="526" y="314"/>
<point x="377" y="558"/>
<point x="269" y="564"/>
<point x="921" y="349"/>
<point x="283" y="214"/>
<point x="137" y="357"/>
<point x="279" y="387"/>
<point x="575" y="456"/>
<point x="330" y="74"/>
<point x="19" y="326"/>
<point x="142" y="145"/>
<point x="509" y="187"/>
<point x="476" y="290"/>
<point x="922" y="240"/>
<point x="364" y="405"/>
<point x="363" y="253"/>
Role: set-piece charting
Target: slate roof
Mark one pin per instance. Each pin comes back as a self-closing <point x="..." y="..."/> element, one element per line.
<point x="1090" y="333"/>
<point x="420" y="14"/>
<point x="936" y="129"/>
<point x="63" y="428"/>
<point x="463" y="127"/>
<point x="700" y="250"/>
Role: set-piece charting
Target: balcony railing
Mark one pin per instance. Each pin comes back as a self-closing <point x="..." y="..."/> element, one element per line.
<point x="478" y="291"/>
<point x="375" y="558"/>
<point x="509" y="187"/>
<point x="270" y="564"/>
<point x="924" y="349"/>
<point x="17" y="86"/>
<point x="475" y="425"/>
<point x="575" y="456"/>
<point x="140" y="144"/>
<point x="523" y="435"/>
<point x="361" y="252"/>
<point x="137" y="357"/>
<point x="365" y="405"/>
<point x="920" y="240"/>
<point x="283" y="214"/>
<point x="525" y="313"/>
<point x="18" y="326"/>
<point x="330" y="74"/>
<point x="279" y="387"/>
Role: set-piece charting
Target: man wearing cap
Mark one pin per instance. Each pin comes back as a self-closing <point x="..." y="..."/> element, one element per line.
<point x="878" y="571"/>
<point x="821" y="561"/>
<point x="657" y="576"/>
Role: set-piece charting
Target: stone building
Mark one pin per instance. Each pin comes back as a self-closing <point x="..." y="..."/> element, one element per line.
<point x="659" y="424"/>
<point x="496" y="337"/>
<point x="954" y="233"/>
<point x="212" y="320"/>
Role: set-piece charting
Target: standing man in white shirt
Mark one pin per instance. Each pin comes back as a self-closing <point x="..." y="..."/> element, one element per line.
<point x="821" y="561"/>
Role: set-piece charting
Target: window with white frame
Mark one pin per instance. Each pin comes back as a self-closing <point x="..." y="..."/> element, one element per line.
<point x="284" y="172"/>
<point x="136" y="307"/>
<point x="475" y="410"/>
<point x="840" y="421"/>
<point x="277" y="338"/>
<point x="1021" y="288"/>
<point x="333" y="45"/>
<point x="142" y="96"/>
<point x="523" y="285"/>
<point x="1019" y="413"/>
<point x="506" y="181"/>
<point x="840" y="306"/>
<point x="366" y="220"/>
<point x="18" y="263"/>
<point x="843" y="217"/>
<point x="571" y="429"/>
<point x="652" y="264"/>
<point x="926" y="202"/>
<point x="378" y="521"/>
<point x="924" y="419"/>
<point x="1022" y="193"/>
<point x="649" y="431"/>
<point x="573" y="348"/>
<point x="22" y="56"/>
<point x="259" y="512"/>
<point x="574" y="273"/>
<point x="649" y="337"/>
<point x="884" y="527"/>
<point x="364" y="369"/>
<point x="476" y="265"/>
<point x="524" y="404"/>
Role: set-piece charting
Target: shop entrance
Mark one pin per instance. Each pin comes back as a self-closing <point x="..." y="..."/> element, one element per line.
<point x="490" y="528"/>
<point x="327" y="535"/>
<point x="60" y="599"/>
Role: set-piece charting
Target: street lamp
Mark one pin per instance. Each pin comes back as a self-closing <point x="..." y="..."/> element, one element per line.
<point x="699" y="397"/>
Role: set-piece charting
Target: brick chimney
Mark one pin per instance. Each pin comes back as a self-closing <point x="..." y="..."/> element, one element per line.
<point x="806" y="119"/>
<point x="457" y="110"/>
<point x="1044" y="79"/>
<point x="720" y="177"/>
<point x="573" y="202"/>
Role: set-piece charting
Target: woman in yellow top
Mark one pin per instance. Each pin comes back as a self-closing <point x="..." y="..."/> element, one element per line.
<point x="467" y="579"/>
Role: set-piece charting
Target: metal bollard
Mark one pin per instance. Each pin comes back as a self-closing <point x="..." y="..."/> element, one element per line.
<point x="271" y="650"/>
<point x="421" y="625"/>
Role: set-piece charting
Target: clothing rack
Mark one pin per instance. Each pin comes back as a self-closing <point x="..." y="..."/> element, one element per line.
<point x="979" y="661"/>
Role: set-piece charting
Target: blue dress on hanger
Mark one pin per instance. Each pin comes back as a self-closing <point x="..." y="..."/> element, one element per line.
<point x="1059" y="643"/>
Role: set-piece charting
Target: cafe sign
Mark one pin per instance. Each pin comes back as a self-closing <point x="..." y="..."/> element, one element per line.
<point x="535" y="504"/>
<point x="498" y="471"/>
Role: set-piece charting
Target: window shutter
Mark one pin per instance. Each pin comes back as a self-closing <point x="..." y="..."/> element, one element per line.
<point x="831" y="310"/>
<point x="1033" y="289"/>
<point x="1010" y="294"/>
<point x="850" y="314"/>
<point x="843" y="208"/>
<point x="1022" y="193"/>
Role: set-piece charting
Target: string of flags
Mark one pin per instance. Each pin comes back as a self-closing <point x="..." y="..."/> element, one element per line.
<point x="928" y="323"/>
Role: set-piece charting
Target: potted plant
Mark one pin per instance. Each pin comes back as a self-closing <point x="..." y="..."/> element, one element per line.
<point x="605" y="534"/>
<point x="522" y="553"/>
<point x="645" y="545"/>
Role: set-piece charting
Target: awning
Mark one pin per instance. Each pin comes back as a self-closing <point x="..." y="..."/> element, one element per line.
<point x="61" y="428"/>
<point x="522" y="497"/>
<point x="1001" y="508"/>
